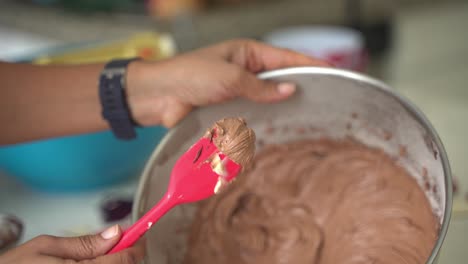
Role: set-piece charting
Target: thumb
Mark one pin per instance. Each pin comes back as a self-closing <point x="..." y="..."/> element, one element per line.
<point x="85" y="247"/>
<point x="264" y="91"/>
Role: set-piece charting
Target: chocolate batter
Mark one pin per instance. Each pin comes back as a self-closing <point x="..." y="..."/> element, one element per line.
<point x="316" y="201"/>
<point x="234" y="139"/>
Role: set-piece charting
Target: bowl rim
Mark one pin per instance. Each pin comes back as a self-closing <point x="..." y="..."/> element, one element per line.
<point x="406" y="103"/>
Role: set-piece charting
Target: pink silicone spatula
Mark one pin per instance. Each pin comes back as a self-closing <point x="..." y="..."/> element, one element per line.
<point x="196" y="175"/>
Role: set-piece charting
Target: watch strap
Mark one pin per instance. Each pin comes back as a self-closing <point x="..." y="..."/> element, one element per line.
<point x="113" y="99"/>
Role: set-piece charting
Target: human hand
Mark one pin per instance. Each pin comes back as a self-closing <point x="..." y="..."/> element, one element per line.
<point x="89" y="249"/>
<point x="164" y="92"/>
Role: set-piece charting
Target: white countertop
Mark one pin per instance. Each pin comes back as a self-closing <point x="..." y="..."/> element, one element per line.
<point x="58" y="214"/>
<point x="429" y="65"/>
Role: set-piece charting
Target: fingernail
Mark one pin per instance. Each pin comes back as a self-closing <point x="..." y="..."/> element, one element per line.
<point x="110" y="232"/>
<point x="286" y="88"/>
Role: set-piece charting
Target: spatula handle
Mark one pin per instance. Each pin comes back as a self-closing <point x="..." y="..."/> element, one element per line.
<point x="139" y="228"/>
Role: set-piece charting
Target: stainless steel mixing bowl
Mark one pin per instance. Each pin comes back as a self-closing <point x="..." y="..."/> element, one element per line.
<point x="330" y="102"/>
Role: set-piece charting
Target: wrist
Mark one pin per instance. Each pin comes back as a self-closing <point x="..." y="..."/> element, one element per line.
<point x="151" y="95"/>
<point x="143" y="93"/>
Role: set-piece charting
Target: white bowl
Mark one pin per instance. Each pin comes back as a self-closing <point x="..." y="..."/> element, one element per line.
<point x="344" y="47"/>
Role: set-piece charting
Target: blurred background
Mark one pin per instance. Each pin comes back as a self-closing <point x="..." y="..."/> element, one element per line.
<point x="419" y="47"/>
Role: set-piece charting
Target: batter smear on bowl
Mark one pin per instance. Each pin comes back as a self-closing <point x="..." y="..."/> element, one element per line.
<point x="316" y="201"/>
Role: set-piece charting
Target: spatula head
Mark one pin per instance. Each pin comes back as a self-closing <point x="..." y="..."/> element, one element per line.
<point x="201" y="172"/>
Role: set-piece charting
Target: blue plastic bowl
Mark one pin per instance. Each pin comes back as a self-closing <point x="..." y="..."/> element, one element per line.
<point x="79" y="163"/>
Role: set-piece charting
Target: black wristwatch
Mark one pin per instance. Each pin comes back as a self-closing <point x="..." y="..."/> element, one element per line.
<point x="113" y="98"/>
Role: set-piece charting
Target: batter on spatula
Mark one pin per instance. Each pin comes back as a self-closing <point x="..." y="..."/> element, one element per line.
<point x="233" y="138"/>
<point x="316" y="202"/>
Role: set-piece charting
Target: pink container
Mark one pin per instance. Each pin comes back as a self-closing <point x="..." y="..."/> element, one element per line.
<point x="343" y="47"/>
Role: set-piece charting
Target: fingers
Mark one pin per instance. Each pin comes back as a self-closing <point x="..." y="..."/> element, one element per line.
<point x="133" y="255"/>
<point x="255" y="56"/>
<point x="40" y="259"/>
<point x="250" y="87"/>
<point x="273" y="58"/>
<point x="79" y="248"/>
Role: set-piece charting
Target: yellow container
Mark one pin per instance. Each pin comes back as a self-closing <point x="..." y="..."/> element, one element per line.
<point x="147" y="45"/>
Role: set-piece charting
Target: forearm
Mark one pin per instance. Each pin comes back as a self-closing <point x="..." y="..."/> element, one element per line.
<point x="48" y="101"/>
